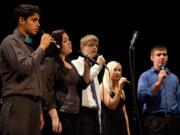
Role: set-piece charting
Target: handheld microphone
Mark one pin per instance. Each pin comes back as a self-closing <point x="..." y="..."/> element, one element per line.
<point x="162" y="67"/>
<point x="53" y="42"/>
<point x="128" y="82"/>
<point x="92" y="60"/>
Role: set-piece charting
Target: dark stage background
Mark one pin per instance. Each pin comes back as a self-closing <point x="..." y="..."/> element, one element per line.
<point x="114" y="23"/>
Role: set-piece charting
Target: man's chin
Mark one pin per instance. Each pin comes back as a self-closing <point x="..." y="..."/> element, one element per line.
<point x="94" y="55"/>
<point x="34" y="33"/>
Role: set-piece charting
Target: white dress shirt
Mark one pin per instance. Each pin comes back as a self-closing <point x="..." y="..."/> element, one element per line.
<point x="87" y="97"/>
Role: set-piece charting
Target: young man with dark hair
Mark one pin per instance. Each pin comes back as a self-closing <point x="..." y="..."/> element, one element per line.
<point x="21" y="74"/>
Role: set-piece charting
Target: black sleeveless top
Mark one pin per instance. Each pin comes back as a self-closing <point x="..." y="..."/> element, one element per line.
<point x="113" y="121"/>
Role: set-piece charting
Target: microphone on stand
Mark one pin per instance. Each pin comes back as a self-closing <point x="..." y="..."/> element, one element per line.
<point x="133" y="40"/>
<point x="92" y="60"/>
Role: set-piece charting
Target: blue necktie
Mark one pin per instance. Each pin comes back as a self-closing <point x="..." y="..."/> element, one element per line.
<point x="93" y="89"/>
<point x="28" y="40"/>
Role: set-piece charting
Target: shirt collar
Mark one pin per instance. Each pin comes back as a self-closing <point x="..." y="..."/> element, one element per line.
<point x="80" y="58"/>
<point x="20" y="35"/>
<point x="157" y="71"/>
<point x="27" y="39"/>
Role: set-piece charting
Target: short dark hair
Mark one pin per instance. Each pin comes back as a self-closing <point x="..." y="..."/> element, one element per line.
<point x="25" y="10"/>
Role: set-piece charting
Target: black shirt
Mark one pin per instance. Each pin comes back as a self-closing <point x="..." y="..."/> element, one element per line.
<point x="62" y="89"/>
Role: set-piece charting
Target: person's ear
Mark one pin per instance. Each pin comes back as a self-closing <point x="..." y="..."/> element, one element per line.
<point x="22" y="20"/>
<point x="151" y="57"/>
<point x="81" y="47"/>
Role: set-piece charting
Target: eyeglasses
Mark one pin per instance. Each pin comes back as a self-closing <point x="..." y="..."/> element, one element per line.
<point x="92" y="44"/>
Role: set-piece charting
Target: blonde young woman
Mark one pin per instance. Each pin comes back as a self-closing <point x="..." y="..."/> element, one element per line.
<point x="114" y="118"/>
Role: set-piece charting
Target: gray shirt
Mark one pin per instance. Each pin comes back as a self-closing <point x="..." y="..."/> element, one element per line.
<point x="20" y="67"/>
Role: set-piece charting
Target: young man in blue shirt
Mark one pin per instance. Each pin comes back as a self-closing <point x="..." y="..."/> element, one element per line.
<point x="159" y="92"/>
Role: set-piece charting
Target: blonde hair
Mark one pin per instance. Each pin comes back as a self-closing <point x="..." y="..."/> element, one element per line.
<point x="107" y="81"/>
<point x="84" y="40"/>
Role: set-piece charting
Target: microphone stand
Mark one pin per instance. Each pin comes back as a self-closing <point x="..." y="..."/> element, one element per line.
<point x="136" y="124"/>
